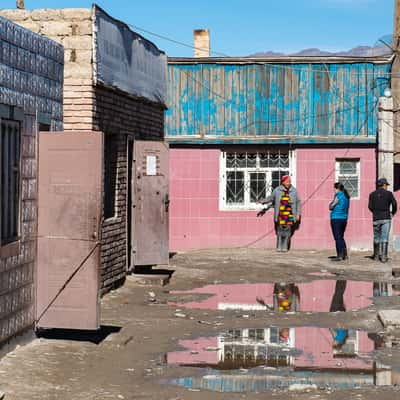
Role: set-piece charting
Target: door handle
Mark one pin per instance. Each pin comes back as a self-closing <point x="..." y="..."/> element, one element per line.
<point x="166" y="202"/>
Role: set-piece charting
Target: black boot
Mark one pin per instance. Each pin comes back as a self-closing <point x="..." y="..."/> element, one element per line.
<point x="345" y="255"/>
<point x="340" y="257"/>
<point x="376" y="254"/>
<point x="384" y="254"/>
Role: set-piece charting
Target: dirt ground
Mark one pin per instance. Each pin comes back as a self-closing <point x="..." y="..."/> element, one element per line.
<point x="140" y="328"/>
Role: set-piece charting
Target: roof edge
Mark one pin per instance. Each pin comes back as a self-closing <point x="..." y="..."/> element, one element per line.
<point x="281" y="60"/>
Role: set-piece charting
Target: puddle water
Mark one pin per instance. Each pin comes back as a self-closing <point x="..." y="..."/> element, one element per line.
<point x="316" y="296"/>
<point x="257" y="360"/>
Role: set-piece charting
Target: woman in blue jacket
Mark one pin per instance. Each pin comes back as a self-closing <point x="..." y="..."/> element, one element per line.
<point x="339" y="207"/>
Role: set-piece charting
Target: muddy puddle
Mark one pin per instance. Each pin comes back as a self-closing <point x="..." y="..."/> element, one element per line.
<point x="325" y="295"/>
<point x="259" y="360"/>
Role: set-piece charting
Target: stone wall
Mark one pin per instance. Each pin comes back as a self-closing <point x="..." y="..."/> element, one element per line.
<point x="73" y="29"/>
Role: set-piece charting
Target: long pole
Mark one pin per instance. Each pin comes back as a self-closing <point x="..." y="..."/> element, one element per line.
<point x="395" y="81"/>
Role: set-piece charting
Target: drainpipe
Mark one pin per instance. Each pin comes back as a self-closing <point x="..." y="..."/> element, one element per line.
<point x="386" y="149"/>
<point x="385" y="139"/>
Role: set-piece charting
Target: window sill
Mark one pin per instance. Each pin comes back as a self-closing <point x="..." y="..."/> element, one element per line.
<point x="10" y="249"/>
<point x="243" y="208"/>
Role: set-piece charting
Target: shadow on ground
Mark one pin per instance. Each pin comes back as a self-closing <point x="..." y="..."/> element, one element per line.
<point x="93" y="336"/>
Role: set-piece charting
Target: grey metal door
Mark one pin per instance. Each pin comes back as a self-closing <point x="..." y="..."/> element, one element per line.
<point x="151" y="203"/>
<point x="69" y="218"/>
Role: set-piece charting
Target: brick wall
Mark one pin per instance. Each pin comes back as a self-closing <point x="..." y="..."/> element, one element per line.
<point x="122" y="117"/>
<point x="89" y="107"/>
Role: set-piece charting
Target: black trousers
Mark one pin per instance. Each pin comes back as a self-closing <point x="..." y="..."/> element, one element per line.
<point x="338" y="228"/>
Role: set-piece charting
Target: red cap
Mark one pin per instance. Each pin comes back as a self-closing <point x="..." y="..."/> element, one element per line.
<point x="285" y="178"/>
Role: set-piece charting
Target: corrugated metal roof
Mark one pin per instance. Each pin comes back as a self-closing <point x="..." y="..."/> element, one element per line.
<point x="231" y="100"/>
<point x="281" y="59"/>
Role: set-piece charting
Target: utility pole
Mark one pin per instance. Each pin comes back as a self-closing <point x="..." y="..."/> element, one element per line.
<point x="395" y="86"/>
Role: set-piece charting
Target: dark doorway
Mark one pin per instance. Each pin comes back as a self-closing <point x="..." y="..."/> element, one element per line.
<point x="129" y="224"/>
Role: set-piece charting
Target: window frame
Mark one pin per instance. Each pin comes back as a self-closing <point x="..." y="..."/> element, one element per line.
<point x="357" y="174"/>
<point x="223" y="170"/>
<point x="110" y="178"/>
<point x="11" y="246"/>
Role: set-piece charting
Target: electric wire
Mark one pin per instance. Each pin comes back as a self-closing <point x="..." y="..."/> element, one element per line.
<point x="262" y="60"/>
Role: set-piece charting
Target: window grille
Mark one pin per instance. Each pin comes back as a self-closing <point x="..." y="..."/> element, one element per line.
<point x="348" y="173"/>
<point x="350" y="347"/>
<point x="250" y="177"/>
<point x="110" y="175"/>
<point x="10" y="165"/>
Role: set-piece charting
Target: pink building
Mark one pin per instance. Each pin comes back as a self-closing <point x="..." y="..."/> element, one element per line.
<point x="235" y="126"/>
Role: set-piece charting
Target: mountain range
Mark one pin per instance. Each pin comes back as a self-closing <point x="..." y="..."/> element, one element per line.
<point x="359" y="51"/>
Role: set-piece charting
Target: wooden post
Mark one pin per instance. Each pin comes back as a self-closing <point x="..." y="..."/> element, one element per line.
<point x="21" y="4"/>
<point x="395" y="80"/>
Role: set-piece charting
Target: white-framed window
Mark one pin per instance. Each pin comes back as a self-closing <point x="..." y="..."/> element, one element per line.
<point x="348" y="173"/>
<point x="350" y="347"/>
<point x="247" y="177"/>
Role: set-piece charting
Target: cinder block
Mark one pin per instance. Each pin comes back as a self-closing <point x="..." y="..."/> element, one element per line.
<point x="46" y="14"/>
<point x="56" y="28"/>
<point x="82" y="27"/>
<point x="389" y="317"/>
<point x="77" y="14"/>
<point x="78" y="42"/>
<point x="15" y="15"/>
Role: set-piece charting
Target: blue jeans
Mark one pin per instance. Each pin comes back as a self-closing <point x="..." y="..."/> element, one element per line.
<point x="338" y="228"/>
<point x="382" y="230"/>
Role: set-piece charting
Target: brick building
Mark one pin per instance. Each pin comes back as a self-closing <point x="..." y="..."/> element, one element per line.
<point x="31" y="77"/>
<point x="100" y="98"/>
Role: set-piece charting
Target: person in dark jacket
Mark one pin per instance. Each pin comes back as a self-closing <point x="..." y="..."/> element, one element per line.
<point x="339" y="207"/>
<point x="383" y="206"/>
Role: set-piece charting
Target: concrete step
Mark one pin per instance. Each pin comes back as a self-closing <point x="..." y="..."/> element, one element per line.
<point x="389" y="318"/>
<point x="150" y="279"/>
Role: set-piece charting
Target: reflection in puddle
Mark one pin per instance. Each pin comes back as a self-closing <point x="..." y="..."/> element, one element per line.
<point x="256" y="360"/>
<point x="315" y="296"/>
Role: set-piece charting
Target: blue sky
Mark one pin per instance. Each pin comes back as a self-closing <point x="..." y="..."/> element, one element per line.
<point x="243" y="27"/>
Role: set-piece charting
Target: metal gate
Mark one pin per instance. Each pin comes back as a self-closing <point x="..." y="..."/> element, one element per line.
<point x="69" y="218"/>
<point x="150" y="245"/>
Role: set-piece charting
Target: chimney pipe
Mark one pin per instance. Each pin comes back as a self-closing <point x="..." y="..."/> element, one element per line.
<point x="21" y="4"/>
<point x="201" y="43"/>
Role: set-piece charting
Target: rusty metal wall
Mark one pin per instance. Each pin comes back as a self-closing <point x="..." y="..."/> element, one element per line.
<point x="31" y="76"/>
<point x="305" y="101"/>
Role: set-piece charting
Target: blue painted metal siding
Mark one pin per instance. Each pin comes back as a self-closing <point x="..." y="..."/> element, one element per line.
<point x="265" y="101"/>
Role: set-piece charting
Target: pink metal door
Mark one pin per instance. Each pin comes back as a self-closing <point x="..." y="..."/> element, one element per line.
<point x="150" y="202"/>
<point x="69" y="217"/>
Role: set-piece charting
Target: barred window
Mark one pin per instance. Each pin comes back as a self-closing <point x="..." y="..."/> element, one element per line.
<point x="110" y="175"/>
<point x="10" y="150"/>
<point x="348" y="173"/>
<point x="250" y="177"/>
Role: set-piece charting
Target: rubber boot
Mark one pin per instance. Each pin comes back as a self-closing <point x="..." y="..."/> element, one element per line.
<point x="384" y="254"/>
<point x="340" y="257"/>
<point x="376" y="254"/>
<point x="285" y="237"/>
